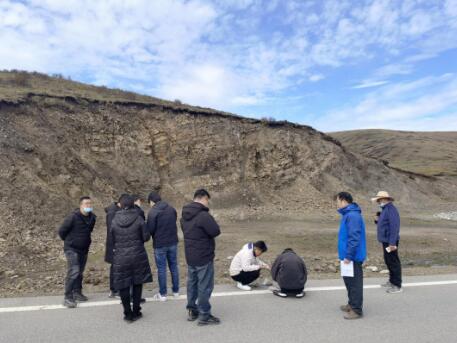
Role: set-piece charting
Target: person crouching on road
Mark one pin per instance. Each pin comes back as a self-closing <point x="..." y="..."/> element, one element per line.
<point x="246" y="265"/>
<point x="130" y="261"/>
<point x="289" y="271"/>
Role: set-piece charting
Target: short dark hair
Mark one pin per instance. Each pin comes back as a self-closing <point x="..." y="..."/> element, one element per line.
<point x="345" y="196"/>
<point x="122" y="196"/>
<point x="154" y="197"/>
<point x="200" y="193"/>
<point x="85" y="197"/>
<point x="261" y="245"/>
<point x="127" y="201"/>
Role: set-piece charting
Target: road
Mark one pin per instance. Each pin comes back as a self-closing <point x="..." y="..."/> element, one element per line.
<point x="425" y="312"/>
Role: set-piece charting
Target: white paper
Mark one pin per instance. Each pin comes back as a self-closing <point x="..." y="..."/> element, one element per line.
<point x="347" y="269"/>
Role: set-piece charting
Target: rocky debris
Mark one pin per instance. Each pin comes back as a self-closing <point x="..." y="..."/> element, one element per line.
<point x="446" y="215"/>
<point x="384" y="271"/>
<point x="373" y="269"/>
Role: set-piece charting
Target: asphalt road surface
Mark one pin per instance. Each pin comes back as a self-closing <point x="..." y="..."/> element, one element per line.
<point x="425" y="312"/>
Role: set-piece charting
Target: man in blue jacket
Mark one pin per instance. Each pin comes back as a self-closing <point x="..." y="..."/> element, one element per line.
<point x="352" y="248"/>
<point x="388" y="225"/>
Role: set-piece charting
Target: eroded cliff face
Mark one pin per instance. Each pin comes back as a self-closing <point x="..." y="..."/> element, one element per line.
<point x="54" y="149"/>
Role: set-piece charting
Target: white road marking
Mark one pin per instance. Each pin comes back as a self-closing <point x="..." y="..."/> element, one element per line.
<point x="218" y="294"/>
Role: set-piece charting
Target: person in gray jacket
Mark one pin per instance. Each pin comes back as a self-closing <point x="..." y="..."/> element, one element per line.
<point x="289" y="271"/>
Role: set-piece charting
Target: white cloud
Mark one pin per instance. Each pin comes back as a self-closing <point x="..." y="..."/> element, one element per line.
<point x="369" y="84"/>
<point x="316" y="77"/>
<point x="425" y="104"/>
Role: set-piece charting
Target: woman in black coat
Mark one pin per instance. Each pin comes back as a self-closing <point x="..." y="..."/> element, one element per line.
<point x="130" y="261"/>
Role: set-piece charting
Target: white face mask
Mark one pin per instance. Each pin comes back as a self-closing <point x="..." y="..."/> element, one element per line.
<point x="381" y="205"/>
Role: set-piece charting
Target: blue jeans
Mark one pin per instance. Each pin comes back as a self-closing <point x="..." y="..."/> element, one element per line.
<point x="200" y="285"/>
<point x="162" y="256"/>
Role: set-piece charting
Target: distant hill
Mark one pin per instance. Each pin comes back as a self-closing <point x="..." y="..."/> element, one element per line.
<point x="428" y="153"/>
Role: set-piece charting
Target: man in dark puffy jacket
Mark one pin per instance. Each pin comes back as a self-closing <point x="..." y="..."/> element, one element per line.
<point x="199" y="229"/>
<point x="131" y="267"/>
<point x="164" y="232"/>
<point x="76" y="233"/>
<point x="289" y="271"/>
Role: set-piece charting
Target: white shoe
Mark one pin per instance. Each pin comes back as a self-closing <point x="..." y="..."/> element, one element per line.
<point x="176" y="295"/>
<point x="243" y="287"/>
<point x="159" y="297"/>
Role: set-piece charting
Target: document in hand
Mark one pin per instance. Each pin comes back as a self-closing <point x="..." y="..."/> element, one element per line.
<point x="347" y="269"/>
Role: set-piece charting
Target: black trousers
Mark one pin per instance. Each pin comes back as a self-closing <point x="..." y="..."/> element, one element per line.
<point x="76" y="263"/>
<point x="247" y="277"/>
<point x="393" y="263"/>
<point x="291" y="291"/>
<point x="354" y="286"/>
<point x="136" y="297"/>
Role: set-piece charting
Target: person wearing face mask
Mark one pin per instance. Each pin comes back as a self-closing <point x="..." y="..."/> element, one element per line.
<point x="388" y="227"/>
<point x="76" y="233"/>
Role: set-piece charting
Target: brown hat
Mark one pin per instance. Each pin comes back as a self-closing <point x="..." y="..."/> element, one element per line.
<point x="382" y="195"/>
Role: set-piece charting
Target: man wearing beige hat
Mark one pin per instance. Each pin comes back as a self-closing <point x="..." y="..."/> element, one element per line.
<point x="388" y="226"/>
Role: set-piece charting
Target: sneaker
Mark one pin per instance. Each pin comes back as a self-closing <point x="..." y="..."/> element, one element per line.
<point x="159" y="297"/>
<point x="280" y="294"/>
<point x="69" y="303"/>
<point x="394" y="289"/>
<point x="345" y="308"/>
<point x="192" y="315"/>
<point x="387" y="284"/>
<point x="80" y="297"/>
<point x="176" y="295"/>
<point x="300" y="295"/>
<point x="211" y="320"/>
<point x="243" y="287"/>
<point x="352" y="315"/>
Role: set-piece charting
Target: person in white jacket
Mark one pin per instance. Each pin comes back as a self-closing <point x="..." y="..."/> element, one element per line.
<point x="246" y="265"/>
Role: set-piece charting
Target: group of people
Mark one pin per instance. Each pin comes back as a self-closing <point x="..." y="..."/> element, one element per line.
<point x="128" y="229"/>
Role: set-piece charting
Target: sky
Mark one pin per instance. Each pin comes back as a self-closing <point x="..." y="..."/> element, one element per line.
<point x="331" y="64"/>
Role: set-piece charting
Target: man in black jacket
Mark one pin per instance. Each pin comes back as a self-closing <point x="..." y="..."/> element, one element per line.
<point x="138" y="200"/>
<point x="289" y="271"/>
<point x="164" y="232"/>
<point x="199" y="229"/>
<point x="76" y="233"/>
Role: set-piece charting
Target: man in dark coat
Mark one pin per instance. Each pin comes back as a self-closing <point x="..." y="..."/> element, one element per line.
<point x="164" y="232"/>
<point x="130" y="260"/>
<point x="199" y="229"/>
<point x="138" y="203"/>
<point x="388" y="227"/>
<point x="110" y="213"/>
<point x="289" y="271"/>
<point x="76" y="233"/>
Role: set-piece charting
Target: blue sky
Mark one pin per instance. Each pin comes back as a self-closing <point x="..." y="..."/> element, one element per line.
<point x="331" y="64"/>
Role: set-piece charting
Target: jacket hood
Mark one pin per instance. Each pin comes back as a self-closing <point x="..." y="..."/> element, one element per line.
<point x="161" y="205"/>
<point x="126" y="217"/>
<point x="112" y="208"/>
<point x="191" y="210"/>
<point x="349" y="208"/>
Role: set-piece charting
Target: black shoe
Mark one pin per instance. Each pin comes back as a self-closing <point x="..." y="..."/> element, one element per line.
<point x="211" y="320"/>
<point x="80" y="297"/>
<point x="128" y="318"/>
<point x="137" y="316"/>
<point x="69" y="303"/>
<point x="280" y="294"/>
<point x="192" y="315"/>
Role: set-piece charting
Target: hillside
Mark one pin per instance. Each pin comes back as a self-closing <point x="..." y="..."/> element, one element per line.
<point x="61" y="139"/>
<point x="429" y="153"/>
